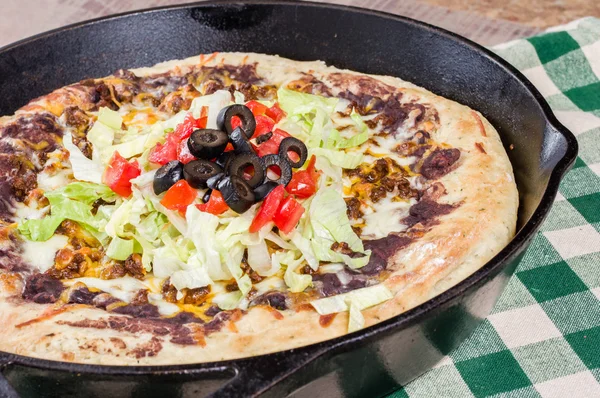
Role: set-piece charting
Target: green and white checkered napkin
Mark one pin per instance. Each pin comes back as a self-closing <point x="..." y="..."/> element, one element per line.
<point x="543" y="337"/>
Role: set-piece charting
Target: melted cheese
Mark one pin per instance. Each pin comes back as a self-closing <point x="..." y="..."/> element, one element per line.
<point x="41" y="254"/>
<point x="384" y="217"/>
<point x="23" y="212"/>
<point x="50" y="182"/>
<point x="383" y="148"/>
<point x="331" y="268"/>
<point x="164" y="307"/>
<point x="124" y="288"/>
<point x="272" y="283"/>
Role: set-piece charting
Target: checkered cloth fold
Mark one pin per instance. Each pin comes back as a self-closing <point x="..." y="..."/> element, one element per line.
<point x="543" y="337"/>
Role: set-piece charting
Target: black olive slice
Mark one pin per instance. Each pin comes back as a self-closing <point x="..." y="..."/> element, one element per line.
<point x="284" y="167"/>
<point x="261" y="191"/>
<point x="240" y="142"/>
<point x="167" y="176"/>
<point x="197" y="172"/>
<point x="241" y="162"/>
<point x="237" y="193"/>
<point x="207" y="143"/>
<point x="213" y="182"/>
<point x="264" y="137"/>
<point x="241" y="111"/>
<point x="206" y="196"/>
<point x="291" y="144"/>
<point x="224" y="159"/>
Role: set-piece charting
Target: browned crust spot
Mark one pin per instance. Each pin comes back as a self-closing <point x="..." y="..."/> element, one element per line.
<point x="479" y="123"/>
<point x="326" y="320"/>
<point x="148" y="349"/>
<point x="479" y="146"/>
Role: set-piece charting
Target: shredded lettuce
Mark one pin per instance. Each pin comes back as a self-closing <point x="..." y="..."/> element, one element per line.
<point x="313" y="114"/>
<point x="232" y="257"/>
<point x="356" y="321"/>
<point x="296" y="282"/>
<point x="297" y="104"/>
<point x="119" y="249"/>
<point x="306" y="249"/>
<point x="151" y="226"/>
<point x="228" y="301"/>
<point x="259" y="259"/>
<point x="85" y="192"/>
<point x="119" y="218"/>
<point x="40" y="230"/>
<point x="101" y="137"/>
<point x="191" y="279"/>
<point x="336" y="141"/>
<point x="110" y="118"/>
<point x="361" y="298"/>
<point x="329" y="224"/>
<point x="215" y="102"/>
<point x="165" y="262"/>
<point x="239" y="98"/>
<point x="339" y="158"/>
<point x="202" y="228"/>
<point x="74" y="202"/>
<point x="84" y="169"/>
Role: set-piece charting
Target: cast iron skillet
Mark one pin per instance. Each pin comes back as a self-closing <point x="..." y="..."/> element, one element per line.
<point x="372" y="361"/>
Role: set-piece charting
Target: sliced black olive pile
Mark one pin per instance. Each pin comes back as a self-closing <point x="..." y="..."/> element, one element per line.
<point x="240" y="175"/>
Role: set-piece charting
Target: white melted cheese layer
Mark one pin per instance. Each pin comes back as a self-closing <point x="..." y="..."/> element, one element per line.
<point x="164" y="308"/>
<point x="49" y="182"/>
<point x="124" y="288"/>
<point x="41" y="254"/>
<point x="23" y="212"/>
<point x="385" y="217"/>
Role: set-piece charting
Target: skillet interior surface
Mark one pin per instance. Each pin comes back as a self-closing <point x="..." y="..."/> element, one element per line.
<point x="378" y="358"/>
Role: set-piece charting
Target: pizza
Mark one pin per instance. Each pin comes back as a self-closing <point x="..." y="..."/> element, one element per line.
<point x="237" y="204"/>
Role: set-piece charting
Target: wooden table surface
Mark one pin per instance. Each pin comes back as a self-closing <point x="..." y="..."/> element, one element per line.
<point x="488" y="22"/>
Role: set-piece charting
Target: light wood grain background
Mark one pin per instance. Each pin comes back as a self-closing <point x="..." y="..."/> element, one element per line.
<point x="477" y="21"/>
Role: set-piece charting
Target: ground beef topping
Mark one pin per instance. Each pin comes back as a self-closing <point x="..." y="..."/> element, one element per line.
<point x="373" y="182"/>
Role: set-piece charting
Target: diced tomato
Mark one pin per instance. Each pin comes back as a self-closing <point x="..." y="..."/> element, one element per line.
<point x="179" y="196"/>
<point x="183" y="152"/>
<point x="256" y="107"/>
<point x="235" y="122"/>
<point x="216" y="204"/>
<point x="268" y="209"/>
<point x="264" y="124"/>
<point x="288" y="215"/>
<point x="164" y="153"/>
<point x="304" y="182"/>
<point x="201" y="123"/>
<point x="173" y="148"/>
<point x="275" y="113"/>
<point x="185" y="129"/>
<point x="203" y="113"/>
<point x="271" y="146"/>
<point x="119" y="173"/>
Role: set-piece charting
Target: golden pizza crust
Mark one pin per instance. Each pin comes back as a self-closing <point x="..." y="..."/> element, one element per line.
<point x="461" y="243"/>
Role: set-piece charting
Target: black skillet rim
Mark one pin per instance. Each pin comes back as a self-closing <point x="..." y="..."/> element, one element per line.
<point x="412" y="316"/>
